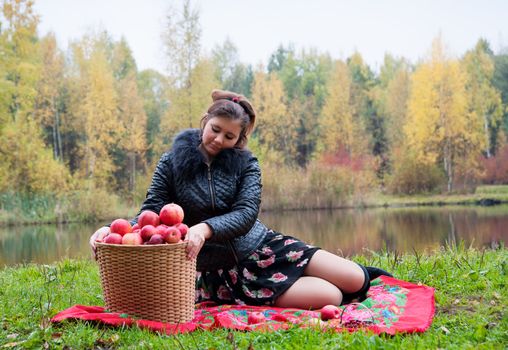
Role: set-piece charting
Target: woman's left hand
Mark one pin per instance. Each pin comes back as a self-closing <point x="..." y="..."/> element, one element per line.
<point x="195" y="238"/>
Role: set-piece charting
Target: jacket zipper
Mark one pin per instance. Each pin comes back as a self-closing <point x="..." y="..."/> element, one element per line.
<point x="210" y="187"/>
<point x="212" y="195"/>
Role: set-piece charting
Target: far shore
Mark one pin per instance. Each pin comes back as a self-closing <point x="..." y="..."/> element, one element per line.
<point x="492" y="195"/>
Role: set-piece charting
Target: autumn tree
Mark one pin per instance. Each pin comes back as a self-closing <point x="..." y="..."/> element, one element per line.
<point x="20" y="62"/>
<point x="484" y="97"/>
<point x="27" y="164"/>
<point x="191" y="77"/>
<point x="121" y="60"/>
<point x="133" y="118"/>
<point x="396" y="104"/>
<point x="182" y="43"/>
<point x="187" y="106"/>
<point x="441" y="126"/>
<point x="275" y="127"/>
<point x="132" y="115"/>
<point x="390" y="95"/>
<point x="336" y="122"/>
<point x="49" y="100"/>
<point x="94" y="108"/>
<point x="181" y="39"/>
<point x="153" y="89"/>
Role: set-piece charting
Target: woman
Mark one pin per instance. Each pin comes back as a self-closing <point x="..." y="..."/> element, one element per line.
<point x="217" y="182"/>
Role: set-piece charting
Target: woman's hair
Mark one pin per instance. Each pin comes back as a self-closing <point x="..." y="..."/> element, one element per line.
<point x="234" y="106"/>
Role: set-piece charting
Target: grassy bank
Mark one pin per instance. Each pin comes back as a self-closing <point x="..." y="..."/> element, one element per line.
<point x="314" y="192"/>
<point x="471" y="297"/>
<point x="78" y="206"/>
<point x="484" y="195"/>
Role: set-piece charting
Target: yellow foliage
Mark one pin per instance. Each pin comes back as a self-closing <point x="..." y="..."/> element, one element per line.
<point x="132" y="116"/>
<point x="441" y="126"/>
<point x="94" y="111"/>
<point x="340" y="125"/>
<point x="50" y="82"/>
<point x="396" y="106"/>
<point x="27" y="165"/>
<point x="336" y="122"/>
<point x="188" y="105"/>
<point x="485" y="98"/>
<point x="275" y="128"/>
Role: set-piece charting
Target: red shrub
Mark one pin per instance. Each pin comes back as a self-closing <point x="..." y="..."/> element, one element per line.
<point x="343" y="158"/>
<point x="496" y="167"/>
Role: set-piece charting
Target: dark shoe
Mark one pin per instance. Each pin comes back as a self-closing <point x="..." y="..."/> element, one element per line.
<point x="375" y="272"/>
<point x="361" y="294"/>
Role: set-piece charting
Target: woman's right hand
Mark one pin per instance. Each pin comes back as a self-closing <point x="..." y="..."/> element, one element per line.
<point x="98" y="235"/>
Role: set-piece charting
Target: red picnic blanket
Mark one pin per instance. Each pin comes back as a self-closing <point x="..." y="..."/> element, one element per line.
<point x="392" y="306"/>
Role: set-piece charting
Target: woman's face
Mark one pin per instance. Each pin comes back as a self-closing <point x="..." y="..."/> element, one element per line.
<point x="220" y="133"/>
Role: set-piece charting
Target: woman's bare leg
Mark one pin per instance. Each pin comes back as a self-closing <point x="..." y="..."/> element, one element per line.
<point x="310" y="293"/>
<point x="342" y="273"/>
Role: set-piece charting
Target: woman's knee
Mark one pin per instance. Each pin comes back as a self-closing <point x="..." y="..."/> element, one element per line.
<point x="347" y="275"/>
<point x="310" y="293"/>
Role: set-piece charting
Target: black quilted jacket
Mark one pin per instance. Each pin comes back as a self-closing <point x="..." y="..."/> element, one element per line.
<point x="226" y="195"/>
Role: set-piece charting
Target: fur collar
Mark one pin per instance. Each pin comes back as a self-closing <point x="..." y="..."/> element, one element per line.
<point x="188" y="159"/>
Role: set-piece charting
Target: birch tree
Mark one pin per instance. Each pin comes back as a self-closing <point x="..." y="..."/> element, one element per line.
<point x="48" y="108"/>
<point x="275" y="126"/>
<point x="485" y="98"/>
<point x="27" y="165"/>
<point x="336" y="122"/>
<point x="441" y="127"/>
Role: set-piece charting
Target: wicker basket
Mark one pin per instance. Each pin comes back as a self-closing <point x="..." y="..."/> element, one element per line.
<point x="154" y="282"/>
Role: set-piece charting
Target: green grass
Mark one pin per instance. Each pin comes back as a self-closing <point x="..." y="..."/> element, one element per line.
<point x="483" y="195"/>
<point x="493" y="189"/>
<point x="471" y="297"/>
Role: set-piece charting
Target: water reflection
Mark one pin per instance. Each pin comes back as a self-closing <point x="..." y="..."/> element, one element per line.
<point x="403" y="230"/>
<point x="345" y="231"/>
<point x="43" y="243"/>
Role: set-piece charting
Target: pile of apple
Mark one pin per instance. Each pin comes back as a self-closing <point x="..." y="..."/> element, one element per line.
<point x="327" y="312"/>
<point x="166" y="227"/>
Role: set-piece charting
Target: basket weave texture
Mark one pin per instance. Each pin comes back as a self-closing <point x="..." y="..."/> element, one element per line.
<point x="153" y="282"/>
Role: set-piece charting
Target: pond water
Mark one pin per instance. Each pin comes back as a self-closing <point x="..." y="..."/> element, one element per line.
<point x="342" y="231"/>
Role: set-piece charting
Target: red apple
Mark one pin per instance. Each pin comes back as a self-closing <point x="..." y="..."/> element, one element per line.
<point x="171" y="214"/>
<point x="255" y="317"/>
<point x="147" y="231"/>
<point x="329" y="312"/>
<point x="132" y="239"/>
<point x="135" y="227"/>
<point x="161" y="228"/>
<point x="148" y="217"/>
<point x="156" y="239"/>
<point x="183" y="229"/>
<point x="172" y="235"/>
<point x="113" y="238"/>
<point x="102" y="233"/>
<point x="121" y="226"/>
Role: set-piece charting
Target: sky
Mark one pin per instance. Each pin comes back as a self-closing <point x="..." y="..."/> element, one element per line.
<point x="403" y="28"/>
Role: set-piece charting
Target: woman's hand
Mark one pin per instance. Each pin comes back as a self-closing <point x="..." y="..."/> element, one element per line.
<point x="98" y="235"/>
<point x="195" y="238"/>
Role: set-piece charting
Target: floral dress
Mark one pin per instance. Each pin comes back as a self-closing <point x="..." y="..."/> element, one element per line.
<point x="260" y="278"/>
